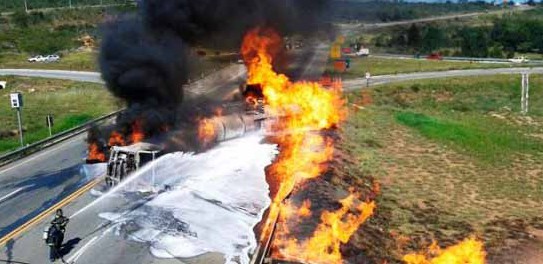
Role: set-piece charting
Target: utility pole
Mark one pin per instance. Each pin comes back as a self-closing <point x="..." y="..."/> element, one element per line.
<point x="525" y="93"/>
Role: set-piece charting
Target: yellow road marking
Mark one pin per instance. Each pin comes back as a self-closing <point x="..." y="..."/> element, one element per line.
<point x="24" y="227"/>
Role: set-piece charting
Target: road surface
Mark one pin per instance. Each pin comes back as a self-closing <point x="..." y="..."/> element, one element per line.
<point x="457" y="59"/>
<point x="93" y="77"/>
<point x="35" y="183"/>
<point x="350" y="85"/>
<point x="349" y="28"/>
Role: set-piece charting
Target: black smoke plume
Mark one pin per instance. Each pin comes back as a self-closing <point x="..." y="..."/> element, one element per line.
<point x="143" y="66"/>
<point x="226" y="21"/>
<point x="144" y="57"/>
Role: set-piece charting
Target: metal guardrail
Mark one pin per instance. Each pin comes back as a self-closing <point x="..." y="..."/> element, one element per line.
<point x="50" y="141"/>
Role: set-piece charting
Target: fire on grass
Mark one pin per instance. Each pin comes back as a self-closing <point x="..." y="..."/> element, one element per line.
<point x="469" y="251"/>
<point x="308" y="109"/>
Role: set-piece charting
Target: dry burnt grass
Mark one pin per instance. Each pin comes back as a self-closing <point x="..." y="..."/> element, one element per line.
<point x="453" y="158"/>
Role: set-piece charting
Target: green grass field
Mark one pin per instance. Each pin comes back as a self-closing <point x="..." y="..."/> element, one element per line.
<point x="381" y="66"/>
<point x="71" y="104"/>
<point x="454" y="158"/>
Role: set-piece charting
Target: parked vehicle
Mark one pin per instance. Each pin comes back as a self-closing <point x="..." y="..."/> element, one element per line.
<point x="519" y="60"/>
<point x="435" y="56"/>
<point x="363" y="52"/>
<point x="52" y="58"/>
<point x="48" y="58"/>
<point x="38" y="58"/>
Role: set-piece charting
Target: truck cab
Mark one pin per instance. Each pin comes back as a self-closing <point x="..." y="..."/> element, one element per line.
<point x="127" y="159"/>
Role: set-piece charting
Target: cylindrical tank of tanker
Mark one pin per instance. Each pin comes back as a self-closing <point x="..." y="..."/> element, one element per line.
<point x="234" y="126"/>
<point x="228" y="127"/>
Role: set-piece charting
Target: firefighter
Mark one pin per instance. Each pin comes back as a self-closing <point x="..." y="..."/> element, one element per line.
<point x="55" y="235"/>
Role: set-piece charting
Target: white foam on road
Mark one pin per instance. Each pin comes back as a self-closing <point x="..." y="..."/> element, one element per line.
<point x="92" y="171"/>
<point x="217" y="198"/>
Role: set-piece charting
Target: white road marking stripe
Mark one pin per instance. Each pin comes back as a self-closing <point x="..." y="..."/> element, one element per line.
<point x="64" y="144"/>
<point x="80" y="252"/>
<point x="11" y="194"/>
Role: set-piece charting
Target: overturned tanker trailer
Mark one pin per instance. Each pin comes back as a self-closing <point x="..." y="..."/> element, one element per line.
<point x="124" y="160"/>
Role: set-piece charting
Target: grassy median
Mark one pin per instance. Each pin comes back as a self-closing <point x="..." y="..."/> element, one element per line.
<point x="71" y="104"/>
<point x="454" y="158"/>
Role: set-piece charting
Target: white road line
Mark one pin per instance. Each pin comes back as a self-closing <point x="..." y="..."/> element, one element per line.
<point x="64" y="144"/>
<point x="12" y="193"/>
<point x="82" y="250"/>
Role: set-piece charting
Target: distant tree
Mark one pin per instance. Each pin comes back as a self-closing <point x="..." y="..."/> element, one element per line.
<point x="474" y="42"/>
<point x="414" y="36"/>
<point x="531" y="3"/>
<point x="433" y="39"/>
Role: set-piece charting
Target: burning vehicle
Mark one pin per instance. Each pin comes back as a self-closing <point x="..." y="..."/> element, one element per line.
<point x="127" y="154"/>
<point x="124" y="160"/>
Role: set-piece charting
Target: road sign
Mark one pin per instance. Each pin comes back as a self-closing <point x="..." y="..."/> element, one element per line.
<point x="16" y="100"/>
<point x="368" y="75"/>
<point x="3" y="85"/>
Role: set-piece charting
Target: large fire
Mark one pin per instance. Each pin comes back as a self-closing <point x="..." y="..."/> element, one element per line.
<point x="469" y="251"/>
<point x="117" y="138"/>
<point x="335" y="229"/>
<point x="305" y="108"/>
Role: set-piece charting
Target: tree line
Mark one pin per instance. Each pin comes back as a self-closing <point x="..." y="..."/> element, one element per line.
<point x="501" y="39"/>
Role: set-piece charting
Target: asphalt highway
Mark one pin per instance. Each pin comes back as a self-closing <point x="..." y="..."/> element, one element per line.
<point x="33" y="184"/>
<point x="358" y="83"/>
<point x="347" y="28"/>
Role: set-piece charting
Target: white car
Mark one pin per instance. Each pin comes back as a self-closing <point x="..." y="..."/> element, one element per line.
<point x="52" y="58"/>
<point x="519" y="60"/>
<point x="38" y="58"/>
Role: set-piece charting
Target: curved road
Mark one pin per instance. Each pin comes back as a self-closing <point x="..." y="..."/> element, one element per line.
<point x="354" y="84"/>
<point x="348" y="84"/>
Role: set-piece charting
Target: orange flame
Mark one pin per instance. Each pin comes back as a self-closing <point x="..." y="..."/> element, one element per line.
<point x="324" y="246"/>
<point x="137" y="133"/>
<point x="305" y="209"/>
<point x="304" y="108"/>
<point x="116" y="139"/>
<point x="95" y="153"/>
<point x="206" y="131"/>
<point x="469" y="251"/>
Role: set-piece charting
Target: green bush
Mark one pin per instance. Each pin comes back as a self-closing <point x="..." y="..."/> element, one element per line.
<point x="44" y="41"/>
